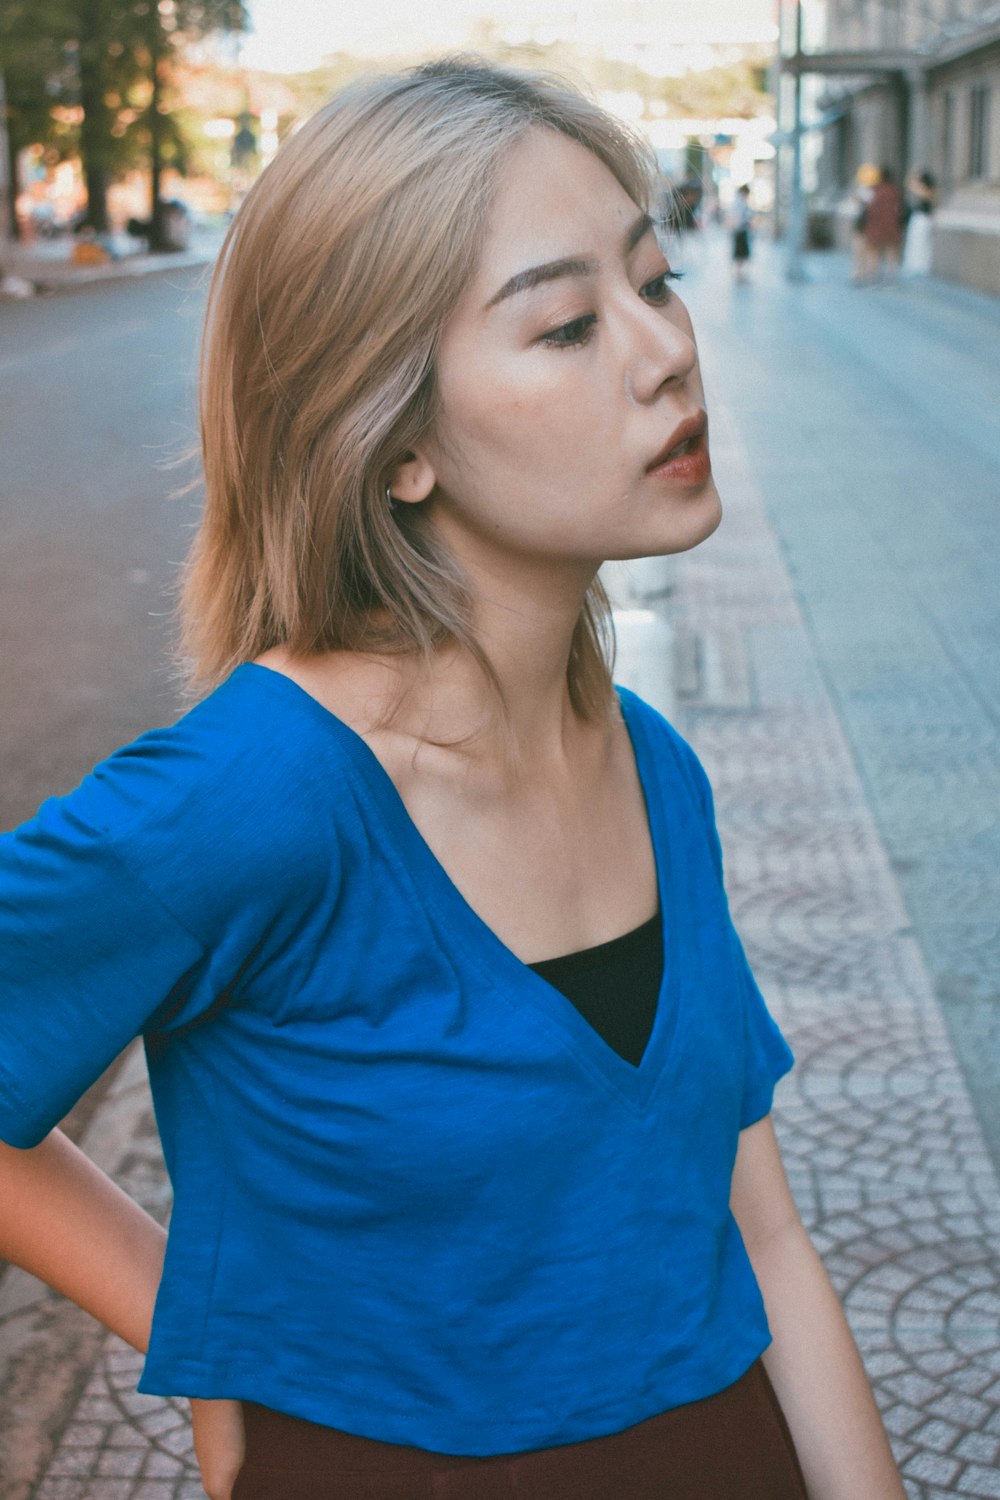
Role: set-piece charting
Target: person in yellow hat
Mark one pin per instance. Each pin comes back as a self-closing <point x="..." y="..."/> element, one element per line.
<point x="865" y="181"/>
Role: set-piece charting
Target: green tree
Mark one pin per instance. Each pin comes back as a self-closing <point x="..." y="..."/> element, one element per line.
<point x="159" y="33"/>
<point x="39" y="74"/>
<point x="116" y="60"/>
<point x="107" y="71"/>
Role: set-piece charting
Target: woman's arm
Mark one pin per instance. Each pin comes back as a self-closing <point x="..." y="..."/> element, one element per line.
<point x="813" y="1361"/>
<point x="68" y="1224"/>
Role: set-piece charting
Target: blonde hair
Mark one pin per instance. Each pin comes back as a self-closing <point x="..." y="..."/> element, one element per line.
<point x="337" y="277"/>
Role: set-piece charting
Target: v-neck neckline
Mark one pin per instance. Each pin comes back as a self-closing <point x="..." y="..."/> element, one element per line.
<point x="507" y="975"/>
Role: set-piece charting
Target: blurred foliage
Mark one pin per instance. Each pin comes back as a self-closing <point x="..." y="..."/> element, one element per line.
<point x="39" y="72"/>
<point x="120" y="83"/>
<point x="736" y="88"/>
<point x="96" y="76"/>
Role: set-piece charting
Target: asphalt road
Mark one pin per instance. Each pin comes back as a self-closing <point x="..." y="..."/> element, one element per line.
<point x="97" y="405"/>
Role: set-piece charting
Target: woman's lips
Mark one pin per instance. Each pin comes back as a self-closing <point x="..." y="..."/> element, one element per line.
<point x="690" y="466"/>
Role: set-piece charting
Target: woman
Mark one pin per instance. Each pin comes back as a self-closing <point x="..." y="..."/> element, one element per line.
<point x="921" y="190"/>
<point x="883" y="226"/>
<point x="865" y="181"/>
<point x="462" y="1078"/>
<point x="742" y="220"/>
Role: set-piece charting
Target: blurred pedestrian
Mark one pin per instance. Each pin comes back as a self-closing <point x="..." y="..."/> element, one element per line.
<point x="865" y="179"/>
<point x="452" y="1215"/>
<point x="689" y="196"/>
<point x="882" y="233"/>
<point x="741" y="221"/>
<point x="921" y="189"/>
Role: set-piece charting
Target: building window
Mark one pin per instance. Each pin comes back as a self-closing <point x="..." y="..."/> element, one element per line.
<point x="947" y="137"/>
<point x="979" y="129"/>
<point x="890" y="22"/>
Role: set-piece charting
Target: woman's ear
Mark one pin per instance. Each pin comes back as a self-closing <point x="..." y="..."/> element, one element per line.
<point x="412" y="480"/>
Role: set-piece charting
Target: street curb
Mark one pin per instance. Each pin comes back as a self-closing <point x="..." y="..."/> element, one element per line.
<point x="70" y="278"/>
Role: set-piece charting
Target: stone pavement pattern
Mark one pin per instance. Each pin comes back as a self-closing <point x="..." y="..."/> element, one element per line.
<point x="871" y="423"/>
<point x="884" y="1150"/>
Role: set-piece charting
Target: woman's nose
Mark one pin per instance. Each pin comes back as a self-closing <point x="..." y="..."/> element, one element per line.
<point x="660" y="352"/>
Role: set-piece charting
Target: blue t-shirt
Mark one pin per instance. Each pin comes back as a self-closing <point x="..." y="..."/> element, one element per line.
<point x="416" y="1196"/>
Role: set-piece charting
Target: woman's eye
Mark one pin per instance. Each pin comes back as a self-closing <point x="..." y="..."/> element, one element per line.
<point x="657" y="290"/>
<point x="571" y="335"/>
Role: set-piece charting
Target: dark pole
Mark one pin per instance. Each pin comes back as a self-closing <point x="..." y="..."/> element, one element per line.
<point x="96" y="123"/>
<point x="794" y="269"/>
<point x="778" y="76"/>
<point x="156" y="225"/>
<point x="8" y="170"/>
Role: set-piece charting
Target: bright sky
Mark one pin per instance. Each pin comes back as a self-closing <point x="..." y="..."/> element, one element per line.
<point x="293" y="35"/>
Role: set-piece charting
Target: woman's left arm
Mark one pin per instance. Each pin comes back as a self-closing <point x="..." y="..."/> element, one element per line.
<point x="813" y="1362"/>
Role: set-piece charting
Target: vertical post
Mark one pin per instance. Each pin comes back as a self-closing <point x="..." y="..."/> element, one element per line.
<point x="917" y="132"/>
<point x="794" y="269"/>
<point x="157" y="219"/>
<point x="7" y="187"/>
<point x="777" y="75"/>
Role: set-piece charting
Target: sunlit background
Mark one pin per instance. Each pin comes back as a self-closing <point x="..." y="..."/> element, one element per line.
<point x="665" y="39"/>
<point x="196" y="96"/>
<point x="696" y="76"/>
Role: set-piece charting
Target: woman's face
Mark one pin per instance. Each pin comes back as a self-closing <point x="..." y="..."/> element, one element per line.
<point x="566" y="373"/>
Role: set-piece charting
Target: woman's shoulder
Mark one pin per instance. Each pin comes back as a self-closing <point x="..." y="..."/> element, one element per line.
<point x="235" y="803"/>
<point x="674" y="758"/>
<point x="243" y="748"/>
<point x="247" y="777"/>
<point x="366" y="698"/>
<point x="358" y="690"/>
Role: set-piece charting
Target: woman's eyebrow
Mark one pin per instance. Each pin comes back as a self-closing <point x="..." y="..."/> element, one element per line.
<point x="523" y="281"/>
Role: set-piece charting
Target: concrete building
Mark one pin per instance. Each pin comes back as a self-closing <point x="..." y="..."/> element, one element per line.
<point x="916" y="84"/>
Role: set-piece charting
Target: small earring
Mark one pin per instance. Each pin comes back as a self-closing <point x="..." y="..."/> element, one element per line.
<point x="388" y="496"/>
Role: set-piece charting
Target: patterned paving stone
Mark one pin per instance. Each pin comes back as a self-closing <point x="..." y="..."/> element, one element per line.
<point x="980" y="1481"/>
<point x="883" y="496"/>
<point x="143" y="1452"/>
<point x="883" y="1147"/>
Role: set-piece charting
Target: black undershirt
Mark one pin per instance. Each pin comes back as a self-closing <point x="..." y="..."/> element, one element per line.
<point x="614" y="986"/>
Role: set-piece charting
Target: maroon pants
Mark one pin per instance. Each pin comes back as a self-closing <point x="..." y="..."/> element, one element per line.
<point x="733" y="1446"/>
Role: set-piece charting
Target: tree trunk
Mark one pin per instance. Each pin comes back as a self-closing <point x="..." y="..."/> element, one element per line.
<point x="158" y="239"/>
<point x="96" y="181"/>
<point x="96" y="123"/>
<point x="13" y="185"/>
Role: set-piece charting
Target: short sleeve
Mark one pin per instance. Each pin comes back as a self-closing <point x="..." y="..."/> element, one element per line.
<point x="87" y="956"/>
<point x="142" y="901"/>
<point x="767" y="1056"/>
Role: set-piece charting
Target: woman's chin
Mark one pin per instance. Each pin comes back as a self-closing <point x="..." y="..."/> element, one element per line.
<point x="693" y="522"/>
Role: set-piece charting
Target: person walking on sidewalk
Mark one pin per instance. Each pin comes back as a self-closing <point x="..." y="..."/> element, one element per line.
<point x="921" y="190"/>
<point x="741" y="221"/>
<point x="882" y="233"/>
<point x="865" y="180"/>
<point x="462" y="1077"/>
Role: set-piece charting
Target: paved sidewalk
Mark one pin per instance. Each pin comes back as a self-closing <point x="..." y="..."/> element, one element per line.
<point x="884" y="1151"/>
<point x="48" y="266"/>
<point x="886" y="1154"/>
<point x="870" y="420"/>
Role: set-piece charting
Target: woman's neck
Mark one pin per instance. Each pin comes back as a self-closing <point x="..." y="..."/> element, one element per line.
<point x="524" y="621"/>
